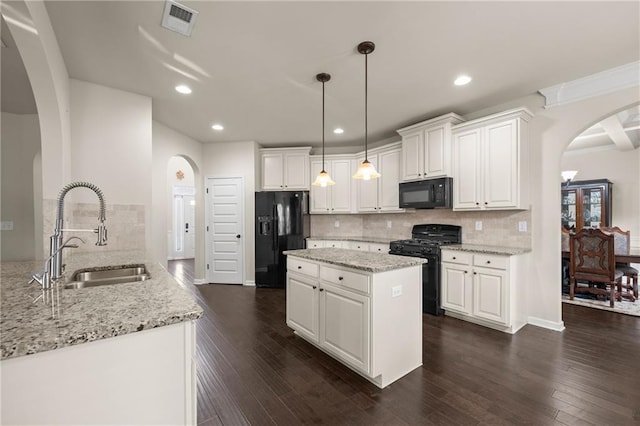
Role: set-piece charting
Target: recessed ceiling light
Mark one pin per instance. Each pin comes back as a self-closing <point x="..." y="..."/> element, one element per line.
<point x="338" y="131"/>
<point x="217" y="127"/>
<point x="462" y="80"/>
<point x="185" y="90"/>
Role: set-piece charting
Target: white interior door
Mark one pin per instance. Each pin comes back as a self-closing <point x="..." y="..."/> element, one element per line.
<point x="225" y="227"/>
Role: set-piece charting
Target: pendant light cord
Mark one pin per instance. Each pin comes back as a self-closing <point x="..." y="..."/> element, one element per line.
<point x="366" y="124"/>
<point x="323" y="126"/>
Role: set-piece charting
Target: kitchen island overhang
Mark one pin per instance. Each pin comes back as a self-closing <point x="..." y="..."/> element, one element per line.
<point x="362" y="308"/>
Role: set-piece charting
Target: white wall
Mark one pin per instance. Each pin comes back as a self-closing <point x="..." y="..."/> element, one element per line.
<point x="111" y="142"/>
<point x="237" y="159"/>
<point x="20" y="146"/>
<point x="168" y="143"/>
<point x="179" y="164"/>
<point x="623" y="169"/>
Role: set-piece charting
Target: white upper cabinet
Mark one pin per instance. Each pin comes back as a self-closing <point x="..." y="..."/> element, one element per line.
<point x="285" y="169"/>
<point x="335" y="198"/>
<point x="381" y="195"/>
<point x="426" y="148"/>
<point x="490" y="162"/>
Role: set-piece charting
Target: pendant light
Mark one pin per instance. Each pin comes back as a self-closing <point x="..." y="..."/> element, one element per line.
<point x="366" y="170"/>
<point x="323" y="178"/>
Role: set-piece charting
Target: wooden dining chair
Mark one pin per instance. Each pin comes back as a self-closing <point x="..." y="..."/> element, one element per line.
<point x="622" y="244"/>
<point x="592" y="266"/>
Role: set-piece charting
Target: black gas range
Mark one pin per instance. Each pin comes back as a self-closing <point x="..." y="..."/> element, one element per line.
<point x="425" y="242"/>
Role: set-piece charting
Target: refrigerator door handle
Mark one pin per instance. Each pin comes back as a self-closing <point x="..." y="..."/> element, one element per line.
<point x="274" y="217"/>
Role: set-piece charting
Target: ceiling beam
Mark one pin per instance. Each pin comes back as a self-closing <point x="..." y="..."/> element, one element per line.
<point x="614" y="129"/>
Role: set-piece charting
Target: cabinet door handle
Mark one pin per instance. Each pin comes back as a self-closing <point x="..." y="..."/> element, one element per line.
<point x="340" y="278"/>
<point x="465" y="272"/>
<point x="477" y="204"/>
<point x="322" y="289"/>
<point x="485" y="203"/>
<point x="314" y="287"/>
<point x="475" y="273"/>
<point x="454" y="258"/>
<point x="299" y="267"/>
<point x="419" y="174"/>
<point x="488" y="261"/>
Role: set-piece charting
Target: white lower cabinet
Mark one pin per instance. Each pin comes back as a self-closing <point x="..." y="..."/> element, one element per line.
<point x="371" y="322"/>
<point x="484" y="288"/>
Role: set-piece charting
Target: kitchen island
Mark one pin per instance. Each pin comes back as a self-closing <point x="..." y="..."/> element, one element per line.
<point x="362" y="308"/>
<point x="117" y="354"/>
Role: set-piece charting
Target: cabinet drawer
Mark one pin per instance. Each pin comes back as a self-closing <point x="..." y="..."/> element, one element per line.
<point x="347" y="279"/>
<point x="379" y="248"/>
<point x="490" y="261"/>
<point x="460" y="257"/>
<point x="302" y="267"/>
<point x="334" y="244"/>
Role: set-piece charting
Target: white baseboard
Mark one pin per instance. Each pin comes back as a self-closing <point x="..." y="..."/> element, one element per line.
<point x="249" y="283"/>
<point x="539" y="322"/>
<point x="200" y="281"/>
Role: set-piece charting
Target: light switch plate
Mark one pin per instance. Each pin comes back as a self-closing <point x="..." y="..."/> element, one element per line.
<point x="478" y="225"/>
<point x="522" y="226"/>
<point x="336" y="224"/>
<point x="396" y="291"/>
<point x="6" y="225"/>
<point x="389" y="224"/>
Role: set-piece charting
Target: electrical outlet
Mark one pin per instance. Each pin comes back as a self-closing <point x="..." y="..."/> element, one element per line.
<point x="6" y="225"/>
<point x="336" y="224"/>
<point x="522" y="226"/>
<point x="389" y="224"/>
<point x="396" y="291"/>
<point x="478" y="225"/>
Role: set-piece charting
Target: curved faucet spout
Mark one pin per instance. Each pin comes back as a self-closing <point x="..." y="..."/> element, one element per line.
<point x="55" y="250"/>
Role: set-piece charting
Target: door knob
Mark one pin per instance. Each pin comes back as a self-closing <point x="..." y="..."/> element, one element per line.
<point x="238" y="236"/>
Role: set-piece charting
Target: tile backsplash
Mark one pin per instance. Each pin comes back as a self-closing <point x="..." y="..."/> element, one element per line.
<point x="499" y="228"/>
<point x="125" y="225"/>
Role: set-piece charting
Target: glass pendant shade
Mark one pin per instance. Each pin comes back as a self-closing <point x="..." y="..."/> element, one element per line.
<point x="366" y="171"/>
<point x="323" y="179"/>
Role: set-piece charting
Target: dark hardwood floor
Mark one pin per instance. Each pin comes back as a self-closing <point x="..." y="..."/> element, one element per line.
<point x="252" y="369"/>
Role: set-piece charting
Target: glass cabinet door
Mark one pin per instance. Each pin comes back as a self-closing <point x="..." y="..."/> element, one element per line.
<point x="569" y="209"/>
<point x="592" y="207"/>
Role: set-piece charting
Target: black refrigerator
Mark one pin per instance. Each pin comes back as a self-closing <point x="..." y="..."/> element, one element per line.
<point x="282" y="223"/>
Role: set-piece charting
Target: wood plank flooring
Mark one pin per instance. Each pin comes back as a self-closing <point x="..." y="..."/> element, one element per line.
<point x="252" y="370"/>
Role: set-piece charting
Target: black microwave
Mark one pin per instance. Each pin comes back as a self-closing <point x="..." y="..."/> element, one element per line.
<point x="427" y="194"/>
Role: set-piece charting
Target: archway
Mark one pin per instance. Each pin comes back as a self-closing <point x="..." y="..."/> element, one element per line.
<point x="181" y="229"/>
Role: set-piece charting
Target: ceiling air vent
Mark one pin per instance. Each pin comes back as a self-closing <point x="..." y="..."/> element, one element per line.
<point x="179" y="18"/>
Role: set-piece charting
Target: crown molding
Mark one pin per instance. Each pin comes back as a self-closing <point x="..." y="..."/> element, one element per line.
<point x="598" y="84"/>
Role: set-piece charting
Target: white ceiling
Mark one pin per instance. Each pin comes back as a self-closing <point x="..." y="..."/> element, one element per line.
<point x="620" y="131"/>
<point x="252" y="65"/>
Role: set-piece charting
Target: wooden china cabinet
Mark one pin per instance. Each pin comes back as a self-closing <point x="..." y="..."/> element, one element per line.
<point x="586" y="204"/>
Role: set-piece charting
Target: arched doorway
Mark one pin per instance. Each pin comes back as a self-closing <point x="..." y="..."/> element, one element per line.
<point x="181" y="229"/>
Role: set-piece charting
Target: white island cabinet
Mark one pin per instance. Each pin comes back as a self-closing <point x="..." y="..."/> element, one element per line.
<point x="362" y="308"/>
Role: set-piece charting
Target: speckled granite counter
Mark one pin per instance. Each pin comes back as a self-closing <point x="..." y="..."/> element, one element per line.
<point x="88" y="314"/>
<point x="362" y="260"/>
<point x="360" y="239"/>
<point x="479" y="248"/>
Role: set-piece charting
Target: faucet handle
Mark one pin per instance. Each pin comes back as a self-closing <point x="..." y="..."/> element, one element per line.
<point x="102" y="235"/>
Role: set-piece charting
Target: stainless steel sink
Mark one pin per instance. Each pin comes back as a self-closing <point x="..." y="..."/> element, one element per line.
<point x="100" y="277"/>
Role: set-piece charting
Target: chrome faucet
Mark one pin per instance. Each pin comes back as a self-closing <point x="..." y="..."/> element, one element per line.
<point x="55" y="269"/>
<point x="44" y="278"/>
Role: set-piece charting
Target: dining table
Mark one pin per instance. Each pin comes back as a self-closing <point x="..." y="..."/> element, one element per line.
<point x="627" y="256"/>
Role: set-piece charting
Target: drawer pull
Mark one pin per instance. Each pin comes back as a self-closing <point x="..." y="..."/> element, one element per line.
<point x="314" y="287"/>
<point x="340" y="278"/>
<point x="475" y="273"/>
<point x="465" y="272"/>
<point x="488" y="261"/>
<point x="299" y="267"/>
<point x="322" y="289"/>
<point x="454" y="258"/>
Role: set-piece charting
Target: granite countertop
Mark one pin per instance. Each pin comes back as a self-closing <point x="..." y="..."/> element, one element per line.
<point x="87" y="314"/>
<point x="355" y="259"/>
<point x="376" y="240"/>
<point x="479" y="248"/>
